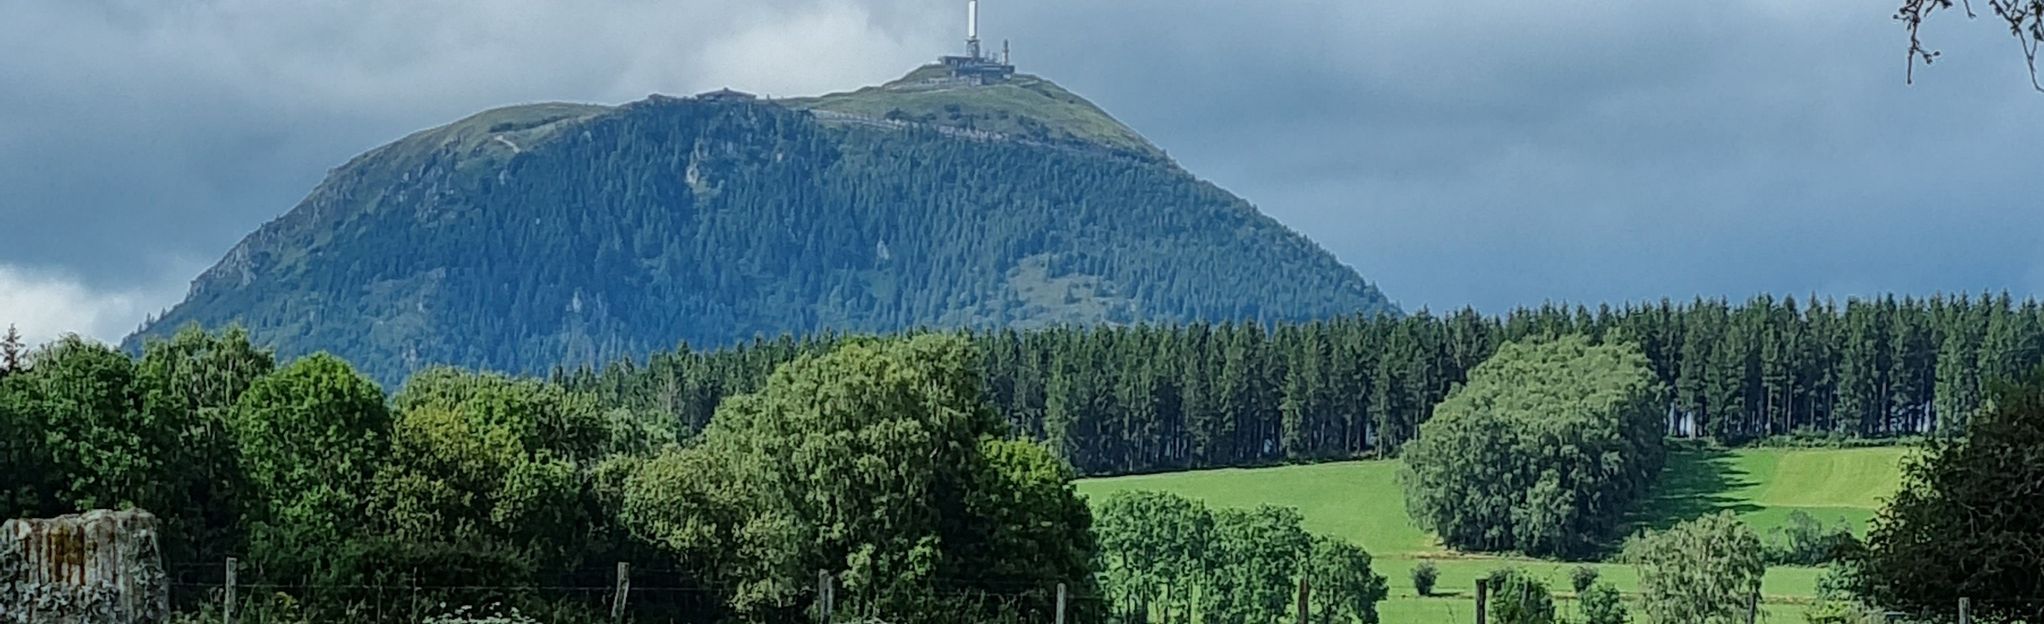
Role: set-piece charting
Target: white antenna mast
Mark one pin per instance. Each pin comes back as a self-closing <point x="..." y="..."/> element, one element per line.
<point x="972" y="28"/>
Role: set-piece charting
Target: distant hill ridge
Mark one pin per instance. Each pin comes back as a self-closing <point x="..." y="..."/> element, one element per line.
<point x="526" y="237"/>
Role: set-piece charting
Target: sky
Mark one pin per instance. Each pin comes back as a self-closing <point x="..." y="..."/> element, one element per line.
<point x="1486" y="153"/>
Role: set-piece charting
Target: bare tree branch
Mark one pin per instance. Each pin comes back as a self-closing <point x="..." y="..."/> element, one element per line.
<point x="2025" y="19"/>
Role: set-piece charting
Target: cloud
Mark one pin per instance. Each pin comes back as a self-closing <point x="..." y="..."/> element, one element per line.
<point x="45" y="305"/>
<point x="1488" y="153"/>
<point x="1497" y="154"/>
<point x="806" y="51"/>
<point x="181" y="126"/>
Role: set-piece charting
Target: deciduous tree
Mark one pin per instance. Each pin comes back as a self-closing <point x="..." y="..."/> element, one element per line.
<point x="86" y="436"/>
<point x="1344" y="587"/>
<point x="312" y="437"/>
<point x="879" y="462"/>
<point x="1966" y="520"/>
<point x="1541" y="451"/>
<point x="189" y="384"/>
<point x="1704" y="571"/>
<point x="1517" y="598"/>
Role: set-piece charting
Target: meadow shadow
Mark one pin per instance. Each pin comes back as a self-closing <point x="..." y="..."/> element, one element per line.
<point x="1697" y="481"/>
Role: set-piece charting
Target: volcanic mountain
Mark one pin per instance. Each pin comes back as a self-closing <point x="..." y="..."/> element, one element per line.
<point x="528" y="237"/>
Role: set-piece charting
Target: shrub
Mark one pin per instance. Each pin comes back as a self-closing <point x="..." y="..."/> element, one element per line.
<point x="1836" y="602"/>
<point x="1601" y="604"/>
<point x="1834" y="612"/>
<point x="1423" y="577"/>
<point x="1582" y="578"/>
<point x="1807" y="542"/>
<point x="1516" y="598"/>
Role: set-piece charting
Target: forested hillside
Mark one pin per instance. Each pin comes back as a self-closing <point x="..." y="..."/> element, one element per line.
<point x="527" y="237"/>
<point x="1147" y="398"/>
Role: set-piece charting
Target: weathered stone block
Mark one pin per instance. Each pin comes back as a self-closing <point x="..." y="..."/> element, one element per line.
<point x="98" y="567"/>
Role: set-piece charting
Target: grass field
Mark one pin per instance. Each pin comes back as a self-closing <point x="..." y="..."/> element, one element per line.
<point x="1360" y="501"/>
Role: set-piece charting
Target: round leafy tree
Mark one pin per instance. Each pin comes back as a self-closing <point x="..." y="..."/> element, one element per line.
<point x="880" y="463"/>
<point x="1704" y="571"/>
<point x="1541" y="451"/>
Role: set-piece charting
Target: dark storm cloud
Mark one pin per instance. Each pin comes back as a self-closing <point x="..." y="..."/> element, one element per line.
<point x="1485" y="153"/>
<point x="1508" y="153"/>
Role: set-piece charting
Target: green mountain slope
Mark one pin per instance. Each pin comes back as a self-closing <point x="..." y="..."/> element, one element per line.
<point x="528" y="237"/>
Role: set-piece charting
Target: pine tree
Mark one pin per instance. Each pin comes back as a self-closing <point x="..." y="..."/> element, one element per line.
<point x="1816" y="364"/>
<point x="1235" y="399"/>
<point x="1068" y="422"/>
<point x="1136" y="396"/>
<point x="1958" y="377"/>
<point x="1391" y="404"/>
<point x="1295" y="409"/>
<point x="1700" y="338"/>
<point x="1726" y="380"/>
<point x="1993" y="358"/>
<point x="1432" y="371"/>
<point x="11" y="351"/>
<point x="1781" y="340"/>
<point x="1144" y="398"/>
<point x="1911" y="371"/>
<point x="2010" y="343"/>
<point x="1860" y="366"/>
<point x="1349" y="367"/>
<point x="1195" y="398"/>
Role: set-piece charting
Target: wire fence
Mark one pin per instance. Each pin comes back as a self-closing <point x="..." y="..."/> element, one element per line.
<point x="232" y="592"/>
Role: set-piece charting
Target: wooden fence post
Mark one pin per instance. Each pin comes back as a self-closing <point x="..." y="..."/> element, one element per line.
<point x="824" y="589"/>
<point x="1060" y="603"/>
<point x="413" y="584"/>
<point x="1482" y="598"/>
<point x="624" y="588"/>
<point x="1965" y="610"/>
<point x="227" y="610"/>
<point x="1305" y="590"/>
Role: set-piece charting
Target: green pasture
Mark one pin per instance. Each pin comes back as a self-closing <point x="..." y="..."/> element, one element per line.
<point x="1361" y="501"/>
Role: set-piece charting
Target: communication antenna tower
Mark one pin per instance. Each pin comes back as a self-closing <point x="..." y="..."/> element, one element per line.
<point x="972" y="28"/>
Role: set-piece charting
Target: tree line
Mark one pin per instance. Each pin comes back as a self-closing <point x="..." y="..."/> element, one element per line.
<point x="1123" y="399"/>
<point x="878" y="463"/>
<point x="884" y="462"/>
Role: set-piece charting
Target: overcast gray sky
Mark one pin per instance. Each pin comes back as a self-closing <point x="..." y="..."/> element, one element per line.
<point x="1487" y="152"/>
